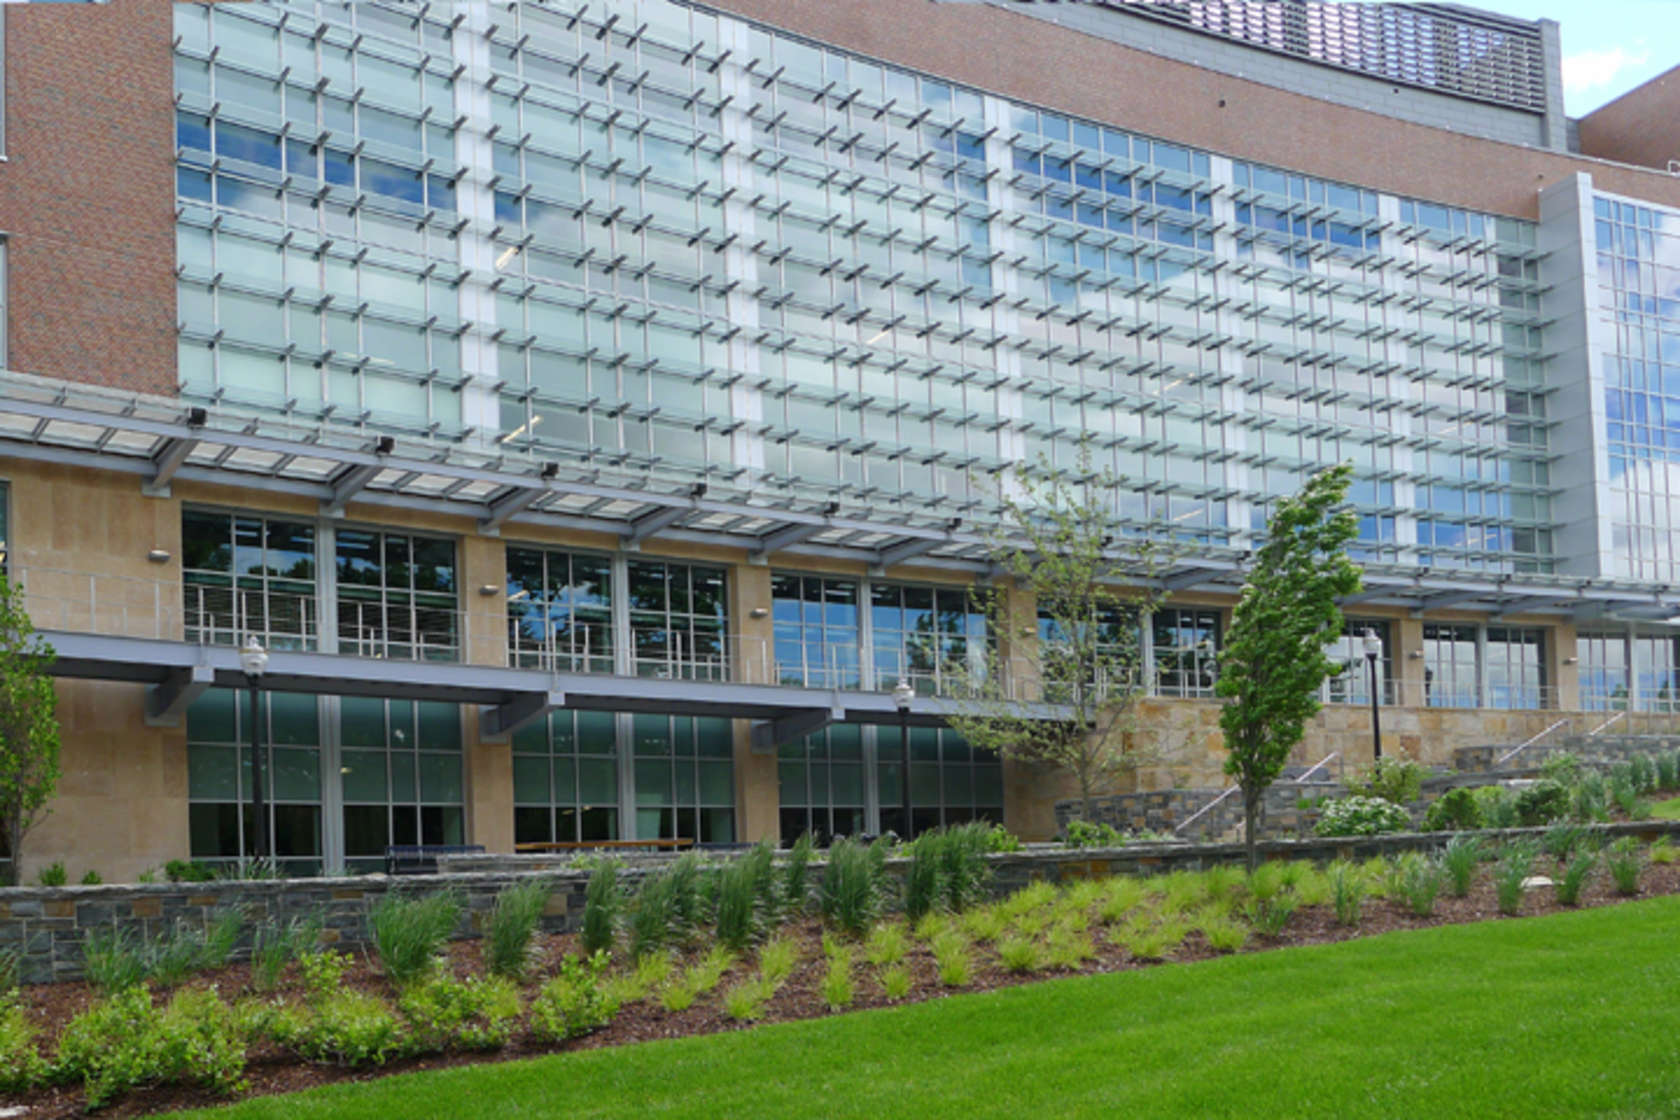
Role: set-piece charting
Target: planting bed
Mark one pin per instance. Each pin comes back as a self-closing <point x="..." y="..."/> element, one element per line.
<point x="1174" y="900"/>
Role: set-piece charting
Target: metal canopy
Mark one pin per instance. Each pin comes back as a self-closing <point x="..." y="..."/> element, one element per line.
<point x="161" y="439"/>
<point x="510" y="697"/>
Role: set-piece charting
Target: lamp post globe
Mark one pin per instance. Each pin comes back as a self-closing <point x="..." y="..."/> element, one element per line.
<point x="1373" y="654"/>
<point x="253" y="659"/>
<point x="902" y="695"/>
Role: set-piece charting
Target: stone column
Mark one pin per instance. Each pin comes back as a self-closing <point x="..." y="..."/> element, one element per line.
<point x="757" y="797"/>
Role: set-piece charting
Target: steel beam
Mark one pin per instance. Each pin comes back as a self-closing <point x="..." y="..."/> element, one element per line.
<point x="908" y="548"/>
<point x="648" y="524"/>
<point x="165" y="463"/>
<point x="1190" y="577"/>
<point x="509" y="716"/>
<point x="786" y="537"/>
<point x="167" y="700"/>
<point x="346" y="484"/>
<point x="1448" y="598"/>
<point x="767" y="735"/>
<point x="510" y="502"/>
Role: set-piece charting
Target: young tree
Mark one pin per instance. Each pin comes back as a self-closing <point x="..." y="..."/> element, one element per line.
<point x="1273" y="661"/>
<point x="1079" y="649"/>
<point x="28" y="727"/>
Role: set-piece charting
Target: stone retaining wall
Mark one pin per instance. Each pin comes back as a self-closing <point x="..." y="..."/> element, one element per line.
<point x="46" y="925"/>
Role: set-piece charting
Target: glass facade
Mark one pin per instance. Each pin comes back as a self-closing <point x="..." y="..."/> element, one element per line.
<point x="221" y="825"/>
<point x="560" y="610"/>
<point x="243" y="574"/>
<point x="1639" y="306"/>
<point x="397" y="596"/>
<point x="1186" y="650"/>
<point x="382" y="224"/>
<point x="401" y="776"/>
<point x="565" y="779"/>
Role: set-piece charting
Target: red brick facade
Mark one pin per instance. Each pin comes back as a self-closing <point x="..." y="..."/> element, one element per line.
<point x="87" y="192"/>
<point x="1642" y="126"/>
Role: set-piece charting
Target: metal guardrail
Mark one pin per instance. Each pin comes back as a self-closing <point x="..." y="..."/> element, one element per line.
<point x="1530" y="741"/>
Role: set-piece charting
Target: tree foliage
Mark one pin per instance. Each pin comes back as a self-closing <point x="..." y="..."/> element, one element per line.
<point x="29" y="766"/>
<point x="1068" y="637"/>
<point x="1274" y="657"/>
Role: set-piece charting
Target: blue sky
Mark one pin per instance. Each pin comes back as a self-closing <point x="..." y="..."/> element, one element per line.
<point x="1609" y="46"/>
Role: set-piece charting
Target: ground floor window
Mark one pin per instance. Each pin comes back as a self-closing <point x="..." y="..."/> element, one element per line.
<point x="684" y="778"/>
<point x="1353" y="684"/>
<point x="845" y="780"/>
<point x="1450" y="678"/>
<point x="400" y="767"/>
<point x="565" y="778"/>
<point x="221" y="826"/>
<point x="1186" y="650"/>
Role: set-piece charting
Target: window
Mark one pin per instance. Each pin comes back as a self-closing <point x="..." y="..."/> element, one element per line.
<point x="249" y="575"/>
<point x="685" y="778"/>
<point x="219" y="820"/>
<point x="1450" y="679"/>
<point x="1656" y="663"/>
<point x="1516" y="674"/>
<point x="822" y="785"/>
<point x="565" y="779"/>
<point x="1353" y="686"/>
<point x="559" y="610"/>
<point x="396" y="596"/>
<point x="1604" y="670"/>
<point x="933" y="637"/>
<point x="816" y="626"/>
<point x="400" y="766"/>
<point x="1186" y="649"/>
<point x="1117" y="650"/>
<point x="678" y="620"/>
<point x="950" y="782"/>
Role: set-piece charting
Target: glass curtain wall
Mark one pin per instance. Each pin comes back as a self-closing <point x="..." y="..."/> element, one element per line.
<point x="1186" y="650"/>
<point x="933" y="637"/>
<point x="560" y="610"/>
<point x="679" y="620"/>
<point x="1353" y="685"/>
<point x="685" y="778"/>
<point x="565" y="779"/>
<point x="401" y="772"/>
<point x="245" y="574"/>
<point x="1451" y="677"/>
<point x="397" y="596"/>
<point x="822" y="781"/>
<point x="950" y="782"/>
<point x="817" y="630"/>
<point x="220" y="824"/>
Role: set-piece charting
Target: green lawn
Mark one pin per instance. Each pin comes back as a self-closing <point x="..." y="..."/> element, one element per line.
<point x="1667" y="810"/>
<point x="1573" y="1015"/>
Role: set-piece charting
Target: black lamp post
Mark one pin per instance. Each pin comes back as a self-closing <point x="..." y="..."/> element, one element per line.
<point x="1373" y="651"/>
<point x="254" y="659"/>
<point x="902" y="695"/>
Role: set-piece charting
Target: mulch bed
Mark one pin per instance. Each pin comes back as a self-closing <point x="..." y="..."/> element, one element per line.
<point x="272" y="1070"/>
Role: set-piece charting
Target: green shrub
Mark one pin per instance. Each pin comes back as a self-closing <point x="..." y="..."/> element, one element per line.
<point x="1516" y="862"/>
<point x="796" y="875"/>
<point x="1347" y="892"/>
<point x="951" y="954"/>
<point x="345" y="1028"/>
<point x="1624" y="863"/>
<point x="895" y="981"/>
<point x="1590" y="799"/>
<point x="653" y="916"/>
<point x="1459" y="859"/>
<point x="740" y="913"/>
<point x="1000" y="839"/>
<point x="849" y="892"/>
<point x="603" y="906"/>
<point x="776" y="960"/>
<point x="1574" y="877"/>
<point x="1542" y="803"/>
<point x="92" y="878"/>
<point x="1668" y="771"/>
<point x="574" y="1002"/>
<point x="188" y="871"/>
<point x="112" y="961"/>
<point x="1362" y="816"/>
<point x="53" y="875"/>
<point x="21" y="1065"/>
<point x="409" y="933"/>
<point x="1455" y="810"/>
<point x="512" y="928"/>
<point x="124" y="1043"/>
<point x="1088" y="834"/>
<point x="274" y="946"/>
<point x="1392" y="779"/>
<point x="323" y="972"/>
<point x="473" y="1014"/>
<point x="1498" y="805"/>
<point x="1019" y="953"/>
<point x="1561" y="767"/>
<point x="1416" y="880"/>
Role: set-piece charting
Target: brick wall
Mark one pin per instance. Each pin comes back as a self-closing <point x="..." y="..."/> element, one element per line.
<point x="87" y="192"/>
<point x="1642" y="126"/>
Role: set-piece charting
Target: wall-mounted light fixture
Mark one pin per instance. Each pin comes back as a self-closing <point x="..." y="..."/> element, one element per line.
<point x="760" y="612"/>
<point x="488" y="589"/>
<point x="158" y="556"/>
<point x="1570" y="660"/>
<point x="1416" y="655"/>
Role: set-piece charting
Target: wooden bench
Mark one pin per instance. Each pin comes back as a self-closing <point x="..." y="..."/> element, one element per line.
<point x="422" y="859"/>
<point x="675" y="843"/>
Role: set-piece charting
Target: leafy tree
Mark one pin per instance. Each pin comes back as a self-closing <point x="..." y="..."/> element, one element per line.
<point x="28" y="727"/>
<point x="1273" y="661"/>
<point x="1080" y="648"/>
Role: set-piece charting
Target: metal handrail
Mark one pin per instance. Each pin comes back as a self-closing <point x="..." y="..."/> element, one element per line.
<point x="1529" y="742"/>
<point x="1313" y="769"/>
<point x="1601" y="727"/>
<point x="1204" y="810"/>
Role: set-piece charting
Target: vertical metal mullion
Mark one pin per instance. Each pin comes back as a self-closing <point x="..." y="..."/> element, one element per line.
<point x="866" y="637"/>
<point x="871" y="782"/>
<point x="332" y="782"/>
<point x="624" y="653"/>
<point x="624" y="751"/>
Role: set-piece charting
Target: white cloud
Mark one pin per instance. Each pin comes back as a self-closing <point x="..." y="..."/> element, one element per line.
<point x="1590" y="70"/>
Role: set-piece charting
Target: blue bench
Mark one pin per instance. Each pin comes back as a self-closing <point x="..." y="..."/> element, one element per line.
<point x="422" y="859"/>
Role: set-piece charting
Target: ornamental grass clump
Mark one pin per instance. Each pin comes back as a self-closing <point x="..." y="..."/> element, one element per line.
<point x="838" y="988"/>
<point x="1574" y="877"/>
<point x="895" y="981"/>
<point x="1417" y="880"/>
<point x="777" y="959"/>
<point x="1347" y="892"/>
<point x="1662" y="850"/>
<point x="510" y="933"/>
<point x="849" y="892"/>
<point x="796" y="875"/>
<point x="653" y="916"/>
<point x="112" y="961"/>
<point x="274" y="946"/>
<point x="1270" y="916"/>
<point x="1020" y="954"/>
<point x="1224" y="933"/>
<point x="1516" y="862"/>
<point x="886" y="944"/>
<point x="603" y="908"/>
<point x="409" y="933"/>
<point x="956" y="964"/>
<point x="1122" y="895"/>
<point x="739" y="915"/>
<point x="1459" y="859"/>
<point x="1622" y="858"/>
<point x="746" y="1000"/>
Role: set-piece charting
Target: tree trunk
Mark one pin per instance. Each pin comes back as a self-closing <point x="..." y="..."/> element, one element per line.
<point x="10" y="874"/>
<point x="1251" y="825"/>
<point x="1086" y="808"/>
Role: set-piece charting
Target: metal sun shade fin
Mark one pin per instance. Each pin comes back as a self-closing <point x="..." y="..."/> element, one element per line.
<point x="506" y="718"/>
<point x="347" y="484"/>
<point x="905" y="549"/>
<point x="169" y="459"/>
<point x="648" y="524"/>
<point x="786" y="537"/>
<point x="1448" y="598"/>
<point x="1189" y="577"/>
